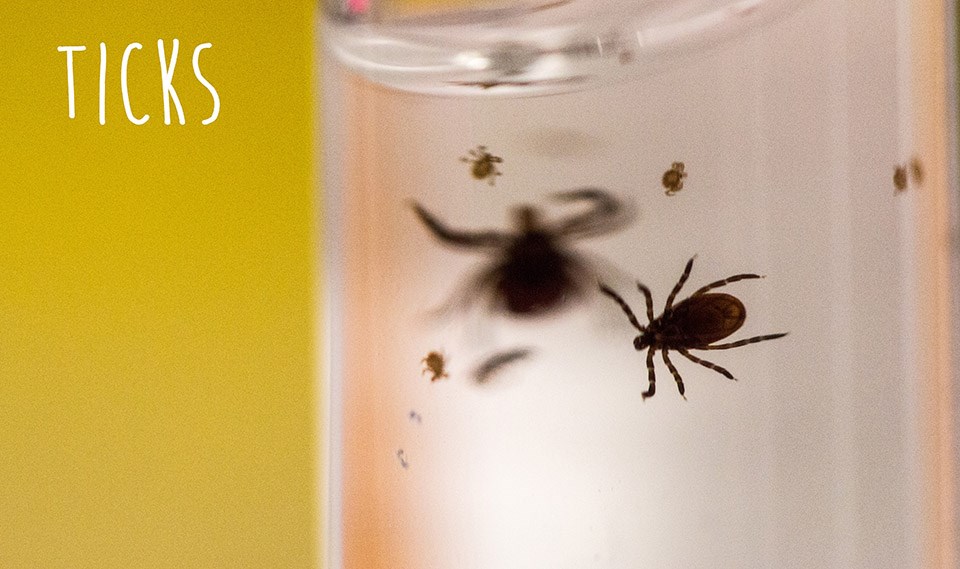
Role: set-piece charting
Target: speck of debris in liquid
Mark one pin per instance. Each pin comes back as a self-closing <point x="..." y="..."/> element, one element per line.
<point x="414" y="416"/>
<point x="403" y="459"/>
<point x="900" y="178"/>
<point x="916" y="170"/>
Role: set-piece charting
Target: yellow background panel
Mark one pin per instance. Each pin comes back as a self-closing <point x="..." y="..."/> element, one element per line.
<point x="157" y="397"/>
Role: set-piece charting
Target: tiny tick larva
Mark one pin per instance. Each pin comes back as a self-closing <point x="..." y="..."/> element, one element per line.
<point x="483" y="165"/>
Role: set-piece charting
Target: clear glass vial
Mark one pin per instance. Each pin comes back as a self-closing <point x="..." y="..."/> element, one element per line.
<point x="500" y="176"/>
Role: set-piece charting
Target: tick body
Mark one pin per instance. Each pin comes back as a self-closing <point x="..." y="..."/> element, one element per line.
<point x="435" y="364"/>
<point x="673" y="178"/>
<point x="483" y="165"/>
<point x="695" y="323"/>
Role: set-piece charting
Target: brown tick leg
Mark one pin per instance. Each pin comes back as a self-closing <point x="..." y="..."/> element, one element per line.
<point x="623" y="305"/>
<point x="651" y="376"/>
<point x="673" y="370"/>
<point x="648" y="298"/>
<point x="466" y="239"/>
<point x="744" y="342"/>
<point x="707" y="364"/>
<point x="679" y="285"/>
<point x="725" y="281"/>
<point x="606" y="213"/>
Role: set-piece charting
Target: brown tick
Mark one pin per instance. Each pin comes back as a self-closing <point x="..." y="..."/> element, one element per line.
<point x="693" y="324"/>
<point x="434" y="363"/>
<point x="673" y="178"/>
<point x="532" y="269"/>
<point x="483" y="164"/>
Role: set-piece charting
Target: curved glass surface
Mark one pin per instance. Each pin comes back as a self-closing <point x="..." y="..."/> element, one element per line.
<point x="535" y="47"/>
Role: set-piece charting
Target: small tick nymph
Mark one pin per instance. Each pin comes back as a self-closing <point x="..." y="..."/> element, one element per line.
<point x="483" y="164"/>
<point x="435" y="364"/>
<point x="673" y="178"/>
<point x="693" y="324"/>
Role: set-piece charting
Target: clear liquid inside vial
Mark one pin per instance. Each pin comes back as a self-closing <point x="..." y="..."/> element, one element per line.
<point x="472" y="433"/>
